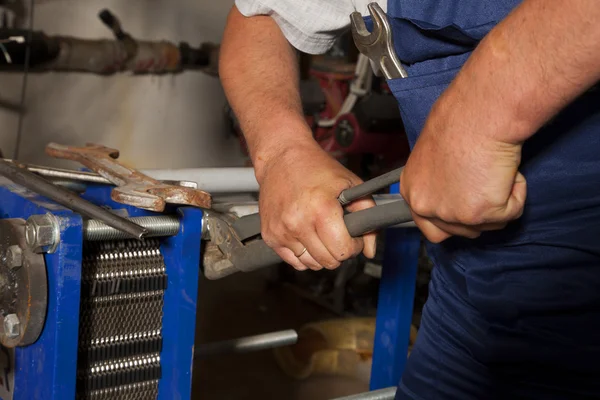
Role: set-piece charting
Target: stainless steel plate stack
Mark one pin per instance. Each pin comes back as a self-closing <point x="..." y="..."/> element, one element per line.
<point x="120" y="322"/>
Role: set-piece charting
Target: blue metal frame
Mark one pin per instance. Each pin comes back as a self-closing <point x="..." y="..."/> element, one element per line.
<point x="395" y="305"/>
<point x="47" y="369"/>
<point x="182" y="260"/>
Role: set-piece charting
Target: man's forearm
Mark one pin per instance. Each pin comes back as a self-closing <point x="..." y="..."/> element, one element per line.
<point x="534" y="63"/>
<point x="259" y="72"/>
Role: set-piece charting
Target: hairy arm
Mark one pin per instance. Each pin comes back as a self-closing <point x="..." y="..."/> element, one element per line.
<point x="301" y="218"/>
<point x="462" y="177"/>
<point x="534" y="63"/>
<point x="259" y="72"/>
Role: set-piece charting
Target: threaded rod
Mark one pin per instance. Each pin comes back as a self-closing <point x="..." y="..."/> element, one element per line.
<point x="164" y="225"/>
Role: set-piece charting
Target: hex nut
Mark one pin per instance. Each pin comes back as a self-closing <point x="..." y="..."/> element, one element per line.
<point x="12" y="326"/>
<point x="14" y="256"/>
<point x="42" y="233"/>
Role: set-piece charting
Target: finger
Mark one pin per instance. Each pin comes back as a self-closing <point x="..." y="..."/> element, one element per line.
<point x="370" y="244"/>
<point x="335" y="237"/>
<point x="370" y="239"/>
<point x="307" y="259"/>
<point x="429" y="230"/>
<point x="299" y="249"/>
<point x="516" y="201"/>
<point x="454" y="229"/>
<point x="319" y="254"/>
<point x="288" y="256"/>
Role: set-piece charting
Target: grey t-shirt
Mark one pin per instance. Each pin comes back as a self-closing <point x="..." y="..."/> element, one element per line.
<point x="311" y="26"/>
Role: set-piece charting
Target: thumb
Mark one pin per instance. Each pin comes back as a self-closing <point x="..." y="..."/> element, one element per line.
<point x="516" y="201"/>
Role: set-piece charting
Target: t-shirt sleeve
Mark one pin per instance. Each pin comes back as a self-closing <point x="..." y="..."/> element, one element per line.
<point x="311" y="26"/>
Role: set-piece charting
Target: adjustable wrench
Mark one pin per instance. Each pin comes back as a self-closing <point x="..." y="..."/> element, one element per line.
<point x="134" y="188"/>
<point x="377" y="45"/>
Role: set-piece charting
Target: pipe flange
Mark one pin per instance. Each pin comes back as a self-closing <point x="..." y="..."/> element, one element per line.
<point x="23" y="287"/>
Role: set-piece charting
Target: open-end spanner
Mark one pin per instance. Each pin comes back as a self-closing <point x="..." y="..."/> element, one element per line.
<point x="377" y="45"/>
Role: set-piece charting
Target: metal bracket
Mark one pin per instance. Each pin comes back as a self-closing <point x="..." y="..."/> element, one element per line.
<point x="23" y="287"/>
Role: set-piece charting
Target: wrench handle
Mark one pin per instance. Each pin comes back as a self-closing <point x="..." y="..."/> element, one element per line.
<point x="256" y="254"/>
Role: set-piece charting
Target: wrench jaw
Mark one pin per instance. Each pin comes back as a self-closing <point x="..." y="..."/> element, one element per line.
<point x="377" y="45"/>
<point x="182" y="195"/>
<point x="138" y="197"/>
<point x="155" y="198"/>
<point x="361" y="35"/>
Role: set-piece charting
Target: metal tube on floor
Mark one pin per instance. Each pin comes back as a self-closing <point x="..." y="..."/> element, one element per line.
<point x="248" y="344"/>
<point x="383" y="394"/>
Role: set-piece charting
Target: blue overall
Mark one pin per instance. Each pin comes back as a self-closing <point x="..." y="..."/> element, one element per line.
<point x="514" y="314"/>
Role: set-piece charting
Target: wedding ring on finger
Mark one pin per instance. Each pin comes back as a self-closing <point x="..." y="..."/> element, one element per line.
<point x="301" y="253"/>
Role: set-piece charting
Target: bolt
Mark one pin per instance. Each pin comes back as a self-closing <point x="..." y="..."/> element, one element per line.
<point x="344" y="133"/>
<point x="14" y="256"/>
<point x="42" y="233"/>
<point x="11" y="326"/>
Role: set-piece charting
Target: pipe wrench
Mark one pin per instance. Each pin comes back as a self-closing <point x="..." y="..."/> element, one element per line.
<point x="377" y="45"/>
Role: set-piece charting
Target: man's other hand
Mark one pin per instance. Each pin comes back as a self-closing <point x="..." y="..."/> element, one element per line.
<point x="299" y="208"/>
<point x="459" y="179"/>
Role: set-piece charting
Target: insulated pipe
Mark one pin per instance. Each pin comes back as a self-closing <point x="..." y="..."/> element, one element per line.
<point x="211" y="180"/>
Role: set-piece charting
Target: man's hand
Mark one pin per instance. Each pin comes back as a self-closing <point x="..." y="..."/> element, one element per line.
<point x="299" y="208"/>
<point x="459" y="179"/>
<point x="462" y="177"/>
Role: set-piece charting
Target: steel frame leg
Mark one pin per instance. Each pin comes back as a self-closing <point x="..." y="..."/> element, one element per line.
<point x="395" y="306"/>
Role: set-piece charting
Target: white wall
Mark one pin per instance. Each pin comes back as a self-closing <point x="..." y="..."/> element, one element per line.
<point x="156" y="121"/>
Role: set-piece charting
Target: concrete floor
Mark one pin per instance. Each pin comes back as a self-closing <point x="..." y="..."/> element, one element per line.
<point x="244" y="304"/>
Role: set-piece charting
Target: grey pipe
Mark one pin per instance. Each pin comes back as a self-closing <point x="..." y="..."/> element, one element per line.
<point x="382" y="394"/>
<point x="370" y="186"/>
<point x="212" y="180"/>
<point x="248" y="344"/>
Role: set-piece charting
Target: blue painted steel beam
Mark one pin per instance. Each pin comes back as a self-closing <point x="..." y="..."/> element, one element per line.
<point x="182" y="259"/>
<point x="395" y="306"/>
<point x="47" y="368"/>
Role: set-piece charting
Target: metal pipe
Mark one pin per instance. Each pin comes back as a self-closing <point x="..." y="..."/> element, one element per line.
<point x="382" y="394"/>
<point x="212" y="180"/>
<point x="158" y="226"/>
<point x="68" y="199"/>
<point x="370" y="186"/>
<point x="248" y="344"/>
<point x="68" y="174"/>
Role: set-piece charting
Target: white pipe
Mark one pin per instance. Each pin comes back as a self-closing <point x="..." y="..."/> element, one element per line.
<point x="212" y="180"/>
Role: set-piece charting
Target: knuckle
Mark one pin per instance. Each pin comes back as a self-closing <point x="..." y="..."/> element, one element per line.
<point x="445" y="214"/>
<point x="473" y="214"/>
<point x="344" y="251"/>
<point x="292" y="221"/>
<point x="419" y="205"/>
